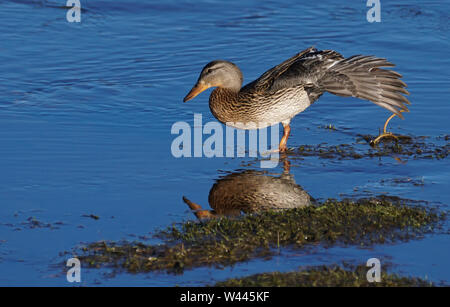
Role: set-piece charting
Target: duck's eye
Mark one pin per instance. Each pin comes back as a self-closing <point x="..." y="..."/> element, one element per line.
<point x="208" y="71"/>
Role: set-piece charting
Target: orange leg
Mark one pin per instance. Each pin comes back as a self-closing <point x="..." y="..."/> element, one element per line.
<point x="385" y="134"/>
<point x="287" y="131"/>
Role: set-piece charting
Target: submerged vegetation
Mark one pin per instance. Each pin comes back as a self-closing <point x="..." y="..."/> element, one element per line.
<point x="226" y="241"/>
<point x="325" y="276"/>
<point x="404" y="147"/>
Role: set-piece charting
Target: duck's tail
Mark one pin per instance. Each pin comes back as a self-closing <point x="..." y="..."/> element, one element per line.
<point x="361" y="76"/>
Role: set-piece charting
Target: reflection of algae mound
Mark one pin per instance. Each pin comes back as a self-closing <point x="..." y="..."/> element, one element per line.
<point x="224" y="241"/>
<point x="324" y="276"/>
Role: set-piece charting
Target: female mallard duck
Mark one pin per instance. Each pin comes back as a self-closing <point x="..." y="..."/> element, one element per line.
<point x="251" y="191"/>
<point x="289" y="88"/>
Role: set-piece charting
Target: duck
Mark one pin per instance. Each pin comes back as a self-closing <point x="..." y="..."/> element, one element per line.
<point x="289" y="88"/>
<point x="252" y="191"/>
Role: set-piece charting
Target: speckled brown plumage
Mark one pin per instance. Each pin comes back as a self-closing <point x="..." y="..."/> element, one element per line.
<point x="290" y="87"/>
<point x="253" y="191"/>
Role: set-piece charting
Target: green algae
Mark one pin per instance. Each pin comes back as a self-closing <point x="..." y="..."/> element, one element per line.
<point x="325" y="276"/>
<point x="402" y="147"/>
<point x="226" y="241"/>
<point x="329" y="127"/>
<point x="34" y="223"/>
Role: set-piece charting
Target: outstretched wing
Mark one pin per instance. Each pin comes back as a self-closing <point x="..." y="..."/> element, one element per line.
<point x="361" y="76"/>
<point x="298" y="70"/>
<point x="327" y="70"/>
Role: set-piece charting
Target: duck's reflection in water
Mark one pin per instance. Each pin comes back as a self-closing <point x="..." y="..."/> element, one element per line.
<point x="252" y="191"/>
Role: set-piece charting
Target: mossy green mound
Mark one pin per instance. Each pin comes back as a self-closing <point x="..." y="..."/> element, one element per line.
<point x="225" y="241"/>
<point x="324" y="276"/>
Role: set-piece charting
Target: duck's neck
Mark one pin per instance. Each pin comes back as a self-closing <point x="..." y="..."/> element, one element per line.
<point x="223" y="103"/>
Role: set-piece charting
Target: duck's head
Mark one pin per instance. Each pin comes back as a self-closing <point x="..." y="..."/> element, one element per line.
<point x="220" y="73"/>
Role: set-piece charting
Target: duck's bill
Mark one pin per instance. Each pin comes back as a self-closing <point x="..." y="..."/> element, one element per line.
<point x="197" y="89"/>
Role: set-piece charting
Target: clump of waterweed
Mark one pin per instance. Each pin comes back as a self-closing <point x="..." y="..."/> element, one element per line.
<point x="226" y="241"/>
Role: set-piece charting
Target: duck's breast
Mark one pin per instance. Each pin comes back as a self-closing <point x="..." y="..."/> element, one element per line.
<point x="255" y="110"/>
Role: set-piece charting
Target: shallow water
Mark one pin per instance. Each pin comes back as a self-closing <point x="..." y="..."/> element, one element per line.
<point x="86" y="112"/>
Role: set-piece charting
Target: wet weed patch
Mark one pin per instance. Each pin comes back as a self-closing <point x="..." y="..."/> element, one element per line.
<point x="325" y="276"/>
<point x="226" y="241"/>
<point x="407" y="147"/>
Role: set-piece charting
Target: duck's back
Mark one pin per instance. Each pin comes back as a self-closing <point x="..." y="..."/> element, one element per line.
<point x="279" y="94"/>
<point x="253" y="191"/>
<point x="292" y="86"/>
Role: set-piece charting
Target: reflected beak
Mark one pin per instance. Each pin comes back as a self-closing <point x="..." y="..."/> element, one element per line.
<point x="197" y="89"/>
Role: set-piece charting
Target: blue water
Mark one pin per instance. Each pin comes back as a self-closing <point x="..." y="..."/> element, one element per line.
<point x="86" y="111"/>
